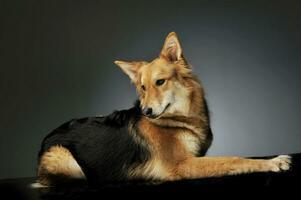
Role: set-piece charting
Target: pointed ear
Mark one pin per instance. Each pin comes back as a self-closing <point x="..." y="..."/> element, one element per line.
<point x="129" y="68"/>
<point x="172" y="48"/>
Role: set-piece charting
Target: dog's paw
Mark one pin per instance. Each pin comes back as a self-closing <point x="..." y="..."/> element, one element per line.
<point x="280" y="163"/>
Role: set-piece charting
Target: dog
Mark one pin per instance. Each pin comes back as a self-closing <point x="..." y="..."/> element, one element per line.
<point x="163" y="137"/>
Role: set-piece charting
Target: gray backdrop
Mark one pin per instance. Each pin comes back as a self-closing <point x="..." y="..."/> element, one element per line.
<point x="56" y="63"/>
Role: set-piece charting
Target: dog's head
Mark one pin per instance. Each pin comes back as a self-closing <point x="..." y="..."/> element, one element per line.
<point x="165" y="85"/>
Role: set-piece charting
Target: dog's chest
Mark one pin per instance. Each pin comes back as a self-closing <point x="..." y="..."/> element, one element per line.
<point x="189" y="141"/>
<point x="173" y="143"/>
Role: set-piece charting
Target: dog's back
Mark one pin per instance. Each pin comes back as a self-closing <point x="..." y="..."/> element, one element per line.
<point x="97" y="148"/>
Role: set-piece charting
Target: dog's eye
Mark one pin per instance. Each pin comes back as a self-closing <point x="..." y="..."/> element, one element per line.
<point x="143" y="87"/>
<point x="160" y="82"/>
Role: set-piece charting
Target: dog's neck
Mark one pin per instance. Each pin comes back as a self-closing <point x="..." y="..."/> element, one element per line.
<point x="179" y="122"/>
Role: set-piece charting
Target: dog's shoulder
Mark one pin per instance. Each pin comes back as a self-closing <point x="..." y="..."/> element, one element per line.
<point x="122" y="117"/>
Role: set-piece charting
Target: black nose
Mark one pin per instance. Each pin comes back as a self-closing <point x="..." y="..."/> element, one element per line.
<point x="147" y="111"/>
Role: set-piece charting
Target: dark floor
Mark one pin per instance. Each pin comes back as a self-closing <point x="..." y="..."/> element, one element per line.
<point x="276" y="184"/>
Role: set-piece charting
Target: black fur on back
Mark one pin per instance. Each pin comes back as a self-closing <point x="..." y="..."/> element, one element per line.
<point x="102" y="146"/>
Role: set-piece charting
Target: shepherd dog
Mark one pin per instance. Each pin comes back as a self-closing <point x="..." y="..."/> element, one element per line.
<point x="163" y="137"/>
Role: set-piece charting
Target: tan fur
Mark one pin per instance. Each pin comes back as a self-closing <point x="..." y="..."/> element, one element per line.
<point x="173" y="158"/>
<point x="176" y="134"/>
<point x="219" y="166"/>
<point x="189" y="141"/>
<point x="58" y="163"/>
<point x="162" y="143"/>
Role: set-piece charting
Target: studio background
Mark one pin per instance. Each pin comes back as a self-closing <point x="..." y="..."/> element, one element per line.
<point x="56" y="63"/>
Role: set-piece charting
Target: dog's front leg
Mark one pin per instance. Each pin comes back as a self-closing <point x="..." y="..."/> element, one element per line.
<point x="199" y="167"/>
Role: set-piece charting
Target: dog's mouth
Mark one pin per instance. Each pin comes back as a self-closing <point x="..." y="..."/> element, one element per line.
<point x="159" y="115"/>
